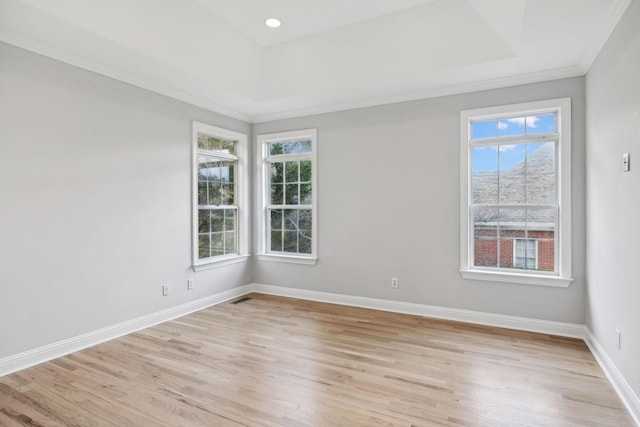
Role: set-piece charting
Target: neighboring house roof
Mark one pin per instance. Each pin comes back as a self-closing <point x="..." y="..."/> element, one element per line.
<point x="531" y="181"/>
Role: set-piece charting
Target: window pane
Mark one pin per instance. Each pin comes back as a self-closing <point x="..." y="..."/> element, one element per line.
<point x="485" y="252"/>
<point x="276" y="241"/>
<point x="485" y="129"/>
<point x="305" y="219"/>
<point x="230" y="216"/>
<point x="230" y="242"/>
<point x="277" y="194"/>
<point x="230" y="220"/>
<point x="290" y="241"/>
<point x="217" y="244"/>
<point x="290" y="219"/>
<point x="277" y="172"/>
<point x="206" y="142"/>
<point x="292" y="195"/>
<point x="511" y="127"/>
<point x="227" y="197"/>
<point x="485" y="231"/>
<point x="215" y="193"/>
<point x="546" y="255"/>
<point x="204" y="221"/>
<point x="512" y="173"/>
<point x="291" y="172"/>
<point x="544" y="123"/>
<point x="203" y="192"/>
<point x="217" y="220"/>
<point x="204" y="250"/>
<point x="216" y="173"/>
<point x="541" y="173"/>
<point x="305" y="171"/>
<point x="297" y="147"/>
<point x="484" y="184"/>
<point x="541" y="225"/>
<point x="304" y="242"/>
<point x="305" y="194"/>
<point x="512" y="224"/>
<point x="276" y="148"/>
<point x="276" y="219"/>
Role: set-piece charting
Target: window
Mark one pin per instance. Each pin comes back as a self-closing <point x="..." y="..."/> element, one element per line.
<point x="525" y="253"/>
<point x="515" y="193"/>
<point x="219" y="220"/>
<point x="289" y="219"/>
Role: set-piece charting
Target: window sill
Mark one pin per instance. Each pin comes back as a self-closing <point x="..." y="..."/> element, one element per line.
<point x="523" y="279"/>
<point x="288" y="258"/>
<point x="223" y="261"/>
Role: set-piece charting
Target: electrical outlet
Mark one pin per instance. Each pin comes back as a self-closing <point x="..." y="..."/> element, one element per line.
<point x="165" y="290"/>
<point x="618" y="338"/>
<point x="394" y="282"/>
<point x="190" y="284"/>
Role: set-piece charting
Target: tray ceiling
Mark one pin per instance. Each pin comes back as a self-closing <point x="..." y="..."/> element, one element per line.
<point x="328" y="54"/>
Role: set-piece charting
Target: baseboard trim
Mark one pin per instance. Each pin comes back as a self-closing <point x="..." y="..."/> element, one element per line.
<point x="621" y="386"/>
<point x="48" y="352"/>
<point x="510" y="322"/>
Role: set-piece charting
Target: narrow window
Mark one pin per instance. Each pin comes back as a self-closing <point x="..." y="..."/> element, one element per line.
<point x="219" y="223"/>
<point x="515" y="193"/>
<point x="525" y="254"/>
<point x="289" y="226"/>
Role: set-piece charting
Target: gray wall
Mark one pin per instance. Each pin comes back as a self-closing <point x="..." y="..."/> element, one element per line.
<point x="389" y="206"/>
<point x="95" y="188"/>
<point x="613" y="196"/>
<point x="95" y="185"/>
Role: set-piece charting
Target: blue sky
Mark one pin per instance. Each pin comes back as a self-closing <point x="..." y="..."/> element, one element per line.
<point x="489" y="158"/>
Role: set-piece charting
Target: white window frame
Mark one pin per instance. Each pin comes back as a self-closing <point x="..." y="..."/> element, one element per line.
<point x="515" y="244"/>
<point x="241" y="195"/>
<point x="263" y="227"/>
<point x="562" y="278"/>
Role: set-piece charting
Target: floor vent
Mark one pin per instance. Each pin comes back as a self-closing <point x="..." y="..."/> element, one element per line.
<point x="238" y="301"/>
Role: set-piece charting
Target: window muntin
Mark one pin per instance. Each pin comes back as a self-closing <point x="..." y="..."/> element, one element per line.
<point x="289" y="182"/>
<point x="218" y="194"/>
<point x="515" y="171"/>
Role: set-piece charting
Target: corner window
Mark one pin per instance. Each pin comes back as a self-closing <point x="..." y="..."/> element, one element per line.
<point x="219" y="218"/>
<point x="515" y="193"/>
<point x="288" y="178"/>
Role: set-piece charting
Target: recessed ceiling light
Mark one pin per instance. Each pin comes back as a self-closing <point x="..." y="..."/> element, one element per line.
<point x="272" y="23"/>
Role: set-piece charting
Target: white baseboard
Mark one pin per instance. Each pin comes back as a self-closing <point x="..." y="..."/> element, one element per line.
<point x="499" y="320"/>
<point x="621" y="386"/>
<point x="48" y="352"/>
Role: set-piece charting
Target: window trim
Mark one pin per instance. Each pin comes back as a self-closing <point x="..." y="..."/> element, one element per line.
<point x="562" y="107"/>
<point x="262" y="182"/>
<point x="241" y="194"/>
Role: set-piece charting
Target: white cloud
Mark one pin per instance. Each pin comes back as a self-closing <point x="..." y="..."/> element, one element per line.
<point x="503" y="148"/>
<point x="531" y="121"/>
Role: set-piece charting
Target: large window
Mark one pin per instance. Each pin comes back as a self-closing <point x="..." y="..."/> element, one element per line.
<point x="515" y="193"/>
<point x="289" y="196"/>
<point x="219" y="220"/>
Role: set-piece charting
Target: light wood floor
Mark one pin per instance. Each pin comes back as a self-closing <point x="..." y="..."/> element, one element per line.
<point x="284" y="362"/>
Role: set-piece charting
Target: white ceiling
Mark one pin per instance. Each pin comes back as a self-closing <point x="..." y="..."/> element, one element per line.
<point x="328" y="55"/>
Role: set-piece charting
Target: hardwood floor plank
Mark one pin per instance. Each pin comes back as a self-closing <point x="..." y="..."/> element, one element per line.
<point x="273" y="361"/>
